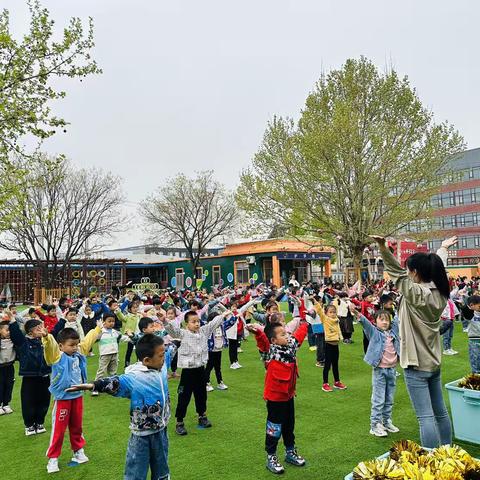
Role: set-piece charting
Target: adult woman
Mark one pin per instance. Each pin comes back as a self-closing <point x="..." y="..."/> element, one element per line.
<point x="425" y="289"/>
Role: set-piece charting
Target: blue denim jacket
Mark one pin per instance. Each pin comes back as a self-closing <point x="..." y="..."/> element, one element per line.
<point x="377" y="337"/>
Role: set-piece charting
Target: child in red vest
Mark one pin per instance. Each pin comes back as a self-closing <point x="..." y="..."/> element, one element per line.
<point x="279" y="351"/>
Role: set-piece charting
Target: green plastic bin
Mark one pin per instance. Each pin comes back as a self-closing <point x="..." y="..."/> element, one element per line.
<point x="465" y="407"/>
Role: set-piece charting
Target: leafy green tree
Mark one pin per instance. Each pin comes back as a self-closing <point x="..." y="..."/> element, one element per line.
<point x="364" y="157"/>
<point x="28" y="69"/>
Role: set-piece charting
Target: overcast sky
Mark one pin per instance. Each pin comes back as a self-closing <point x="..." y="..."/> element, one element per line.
<point x="191" y="84"/>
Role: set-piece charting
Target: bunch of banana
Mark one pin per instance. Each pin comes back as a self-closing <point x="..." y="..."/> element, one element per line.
<point x="378" y="470"/>
<point x="406" y="446"/>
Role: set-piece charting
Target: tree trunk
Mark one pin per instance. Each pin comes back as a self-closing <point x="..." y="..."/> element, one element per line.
<point x="357" y="262"/>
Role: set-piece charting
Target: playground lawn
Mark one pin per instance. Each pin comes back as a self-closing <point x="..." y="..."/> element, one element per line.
<point x="331" y="428"/>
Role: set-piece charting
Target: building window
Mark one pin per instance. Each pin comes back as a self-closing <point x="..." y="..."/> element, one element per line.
<point x="463" y="242"/>
<point x="474" y="219"/>
<point x="267" y="271"/>
<point x="453" y="220"/>
<point x="452" y="198"/>
<point x="460" y="198"/>
<point x="199" y="273"/>
<point x="461" y="220"/>
<point x="470" y="173"/>
<point x="242" y="274"/>
<point x="179" y="274"/>
<point x="216" y="274"/>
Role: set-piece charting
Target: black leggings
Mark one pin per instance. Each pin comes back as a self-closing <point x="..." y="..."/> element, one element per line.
<point x="332" y="354"/>
<point x="193" y="381"/>
<point x="320" y="343"/>
<point x="173" y="364"/>
<point x="7" y="379"/>
<point x="214" y="362"/>
<point x="128" y="354"/>
<point x="280" y="422"/>
<point x="35" y="398"/>
<point x="233" y="350"/>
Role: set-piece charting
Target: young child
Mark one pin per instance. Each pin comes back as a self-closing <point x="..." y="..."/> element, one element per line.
<point x="216" y="343"/>
<point x="107" y="349"/>
<point x="192" y="358"/>
<point x="72" y="321"/>
<point x="7" y="370"/>
<point x="332" y="339"/>
<point x="279" y="352"/>
<point x="382" y="354"/>
<point x="368" y="311"/>
<point x="146" y="384"/>
<point x="130" y="323"/>
<point x="49" y="318"/>
<point x="69" y="367"/>
<point x="471" y="315"/>
<point x="35" y="373"/>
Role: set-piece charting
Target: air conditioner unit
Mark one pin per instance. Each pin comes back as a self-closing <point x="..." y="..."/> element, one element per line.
<point x="251" y="260"/>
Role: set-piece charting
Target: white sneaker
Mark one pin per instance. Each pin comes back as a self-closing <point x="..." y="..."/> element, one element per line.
<point x="453" y="352"/>
<point x="234" y="366"/>
<point x="30" y="431"/>
<point x="239" y="350"/>
<point x="222" y="386"/>
<point x="448" y="352"/>
<point x="465" y="330"/>
<point x="7" y="409"/>
<point x="94" y="394"/>
<point x="238" y="365"/>
<point x="390" y="427"/>
<point x="209" y="387"/>
<point x="2" y="411"/>
<point x="79" y="456"/>
<point x="40" y="429"/>
<point x="378" y="430"/>
<point x="52" y="465"/>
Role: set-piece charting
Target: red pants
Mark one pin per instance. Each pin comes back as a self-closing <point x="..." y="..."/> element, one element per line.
<point x="66" y="413"/>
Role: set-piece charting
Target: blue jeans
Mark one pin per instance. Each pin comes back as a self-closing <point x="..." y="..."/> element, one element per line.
<point x="147" y="451"/>
<point x="384" y="381"/>
<point x="474" y="354"/>
<point x="448" y="335"/>
<point x="425" y="391"/>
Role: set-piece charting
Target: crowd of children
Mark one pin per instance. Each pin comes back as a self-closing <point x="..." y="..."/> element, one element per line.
<point x="189" y="330"/>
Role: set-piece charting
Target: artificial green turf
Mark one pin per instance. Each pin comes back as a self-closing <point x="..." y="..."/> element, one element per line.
<point x="331" y="428"/>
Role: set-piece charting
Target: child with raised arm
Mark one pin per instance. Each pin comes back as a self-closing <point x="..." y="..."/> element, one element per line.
<point x="279" y="352"/>
<point x="146" y="384"/>
<point x="333" y="336"/>
<point x="382" y="355"/>
<point x="69" y="367"/>
<point x="107" y="349"/>
<point x="7" y="370"/>
<point x="192" y="358"/>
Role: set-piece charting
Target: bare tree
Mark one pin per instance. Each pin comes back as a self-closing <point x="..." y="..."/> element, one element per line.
<point x="192" y="212"/>
<point x="70" y="212"/>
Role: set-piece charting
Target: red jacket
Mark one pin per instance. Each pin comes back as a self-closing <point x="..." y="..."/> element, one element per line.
<point x="368" y="311"/>
<point x="49" y="320"/>
<point x="281" y="377"/>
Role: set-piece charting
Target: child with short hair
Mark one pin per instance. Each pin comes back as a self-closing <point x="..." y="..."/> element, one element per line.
<point x="72" y="321"/>
<point x="216" y="343"/>
<point x="146" y="384"/>
<point x="7" y="370"/>
<point x="69" y="367"/>
<point x="192" y="358"/>
<point x="472" y="317"/>
<point x="107" y="349"/>
<point x="130" y="322"/>
<point x="35" y="373"/>
<point x="279" y="352"/>
<point x="382" y="355"/>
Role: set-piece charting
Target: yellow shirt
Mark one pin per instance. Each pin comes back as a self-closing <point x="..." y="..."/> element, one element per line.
<point x="330" y="325"/>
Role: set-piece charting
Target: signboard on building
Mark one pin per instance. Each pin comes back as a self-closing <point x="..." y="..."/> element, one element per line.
<point x="407" y="249"/>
